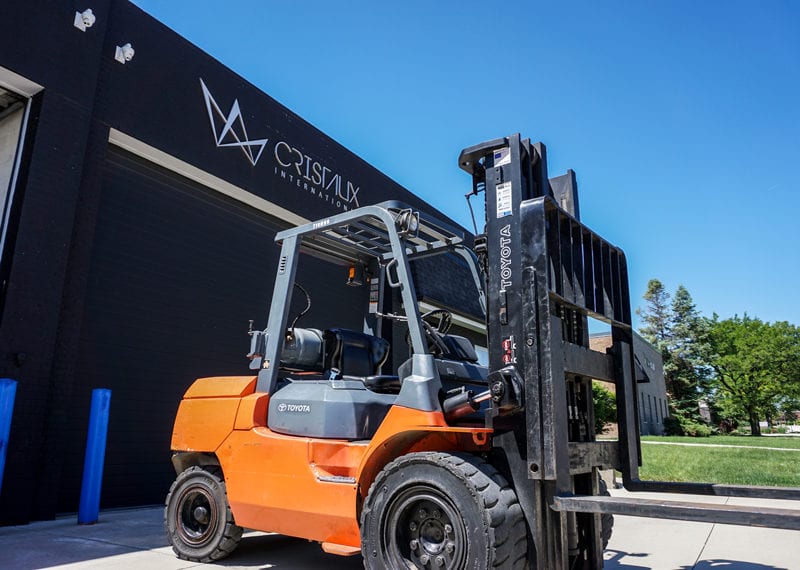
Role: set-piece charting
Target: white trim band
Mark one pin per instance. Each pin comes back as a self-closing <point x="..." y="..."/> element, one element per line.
<point x="208" y="180"/>
<point x="18" y="84"/>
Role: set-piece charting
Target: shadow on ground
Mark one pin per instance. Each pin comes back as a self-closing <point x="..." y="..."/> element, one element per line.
<point x="618" y="561"/>
<point x="278" y="551"/>
<point x="731" y="565"/>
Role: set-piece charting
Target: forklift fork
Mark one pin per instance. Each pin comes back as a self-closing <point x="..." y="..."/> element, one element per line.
<point x="547" y="273"/>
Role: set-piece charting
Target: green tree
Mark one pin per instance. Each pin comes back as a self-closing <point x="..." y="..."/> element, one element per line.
<point x="680" y="334"/>
<point x="656" y="314"/>
<point x="605" y="407"/>
<point x="686" y="369"/>
<point x="787" y="408"/>
<point x="756" y="365"/>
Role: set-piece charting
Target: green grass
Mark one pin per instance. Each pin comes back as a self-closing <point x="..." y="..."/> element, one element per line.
<point x="734" y="466"/>
<point x="786" y="442"/>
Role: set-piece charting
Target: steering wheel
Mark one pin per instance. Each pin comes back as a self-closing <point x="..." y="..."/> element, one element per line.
<point x="440" y="319"/>
<point x="435" y="323"/>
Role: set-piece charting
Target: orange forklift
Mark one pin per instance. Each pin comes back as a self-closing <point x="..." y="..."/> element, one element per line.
<point x="439" y="462"/>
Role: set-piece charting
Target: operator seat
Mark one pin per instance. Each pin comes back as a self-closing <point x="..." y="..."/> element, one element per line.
<point x="354" y="355"/>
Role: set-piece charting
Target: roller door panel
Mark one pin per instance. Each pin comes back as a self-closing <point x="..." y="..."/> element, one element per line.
<point x="176" y="272"/>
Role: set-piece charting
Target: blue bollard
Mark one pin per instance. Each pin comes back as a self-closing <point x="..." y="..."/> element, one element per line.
<point x="89" y="509"/>
<point x="8" y="390"/>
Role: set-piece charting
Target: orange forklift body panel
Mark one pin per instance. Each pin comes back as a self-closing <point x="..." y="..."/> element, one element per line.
<point x="207" y="412"/>
<point x="300" y="486"/>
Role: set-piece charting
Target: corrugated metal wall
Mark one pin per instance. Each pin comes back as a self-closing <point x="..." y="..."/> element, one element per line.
<point x="176" y="272"/>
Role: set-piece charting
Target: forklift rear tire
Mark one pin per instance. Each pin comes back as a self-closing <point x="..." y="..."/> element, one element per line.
<point x="197" y="518"/>
<point x="442" y="510"/>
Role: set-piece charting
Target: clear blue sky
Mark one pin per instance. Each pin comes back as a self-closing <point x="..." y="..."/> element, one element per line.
<point x="681" y="119"/>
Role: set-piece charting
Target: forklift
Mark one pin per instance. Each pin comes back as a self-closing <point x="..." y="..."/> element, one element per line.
<point x="431" y="459"/>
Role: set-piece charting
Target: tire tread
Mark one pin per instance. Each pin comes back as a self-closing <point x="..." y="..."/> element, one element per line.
<point x="502" y="512"/>
<point x="232" y="533"/>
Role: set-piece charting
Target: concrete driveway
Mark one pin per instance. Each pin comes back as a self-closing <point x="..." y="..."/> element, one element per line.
<point x="135" y="539"/>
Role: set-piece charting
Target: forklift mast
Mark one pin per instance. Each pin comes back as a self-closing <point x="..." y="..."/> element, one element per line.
<point x="546" y="273"/>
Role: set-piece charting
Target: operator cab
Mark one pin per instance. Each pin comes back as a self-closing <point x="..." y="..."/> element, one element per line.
<point x="334" y="383"/>
<point x="455" y="358"/>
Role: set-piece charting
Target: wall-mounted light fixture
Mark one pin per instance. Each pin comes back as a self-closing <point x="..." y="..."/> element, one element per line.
<point x="84" y="20"/>
<point x="124" y="54"/>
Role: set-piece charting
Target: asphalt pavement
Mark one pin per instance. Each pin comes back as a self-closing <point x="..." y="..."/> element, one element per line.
<point x="134" y="538"/>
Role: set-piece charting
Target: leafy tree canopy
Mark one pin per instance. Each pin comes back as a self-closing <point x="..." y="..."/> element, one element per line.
<point x="756" y="363"/>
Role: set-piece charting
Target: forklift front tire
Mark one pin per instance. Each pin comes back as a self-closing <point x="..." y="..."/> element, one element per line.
<point x="607" y="526"/>
<point x="442" y="510"/>
<point x="197" y="518"/>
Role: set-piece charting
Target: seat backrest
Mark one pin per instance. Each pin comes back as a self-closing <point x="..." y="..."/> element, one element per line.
<point x="353" y="353"/>
<point x="459" y="348"/>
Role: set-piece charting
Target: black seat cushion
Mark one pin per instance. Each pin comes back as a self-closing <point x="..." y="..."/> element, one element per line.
<point x="354" y="353"/>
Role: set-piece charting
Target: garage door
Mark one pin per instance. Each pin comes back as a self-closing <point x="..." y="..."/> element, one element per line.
<point x="176" y="272"/>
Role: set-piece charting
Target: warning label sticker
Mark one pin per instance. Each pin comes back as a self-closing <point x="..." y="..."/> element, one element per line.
<point x="509" y="351"/>
<point x="502" y="156"/>
<point x="374" y="295"/>
<point x="503" y="199"/>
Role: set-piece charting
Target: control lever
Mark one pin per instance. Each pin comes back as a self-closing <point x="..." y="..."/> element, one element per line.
<point x="258" y="346"/>
<point x="463" y="403"/>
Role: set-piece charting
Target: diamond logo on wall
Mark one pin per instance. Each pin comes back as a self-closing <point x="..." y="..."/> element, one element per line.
<point x="229" y="130"/>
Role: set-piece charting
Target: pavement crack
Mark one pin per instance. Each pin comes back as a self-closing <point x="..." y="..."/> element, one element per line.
<point x="705" y="542"/>
<point x="109" y="542"/>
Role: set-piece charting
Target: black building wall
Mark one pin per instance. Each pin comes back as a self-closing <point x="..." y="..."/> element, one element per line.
<point x="52" y="179"/>
<point x="122" y="273"/>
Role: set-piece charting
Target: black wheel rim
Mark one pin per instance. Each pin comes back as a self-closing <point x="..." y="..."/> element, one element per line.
<point x="422" y="528"/>
<point x="197" y="515"/>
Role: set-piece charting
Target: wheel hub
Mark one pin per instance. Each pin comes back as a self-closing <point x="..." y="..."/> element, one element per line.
<point x="432" y="536"/>
<point x="427" y="532"/>
<point x="197" y="515"/>
<point x="201" y="515"/>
